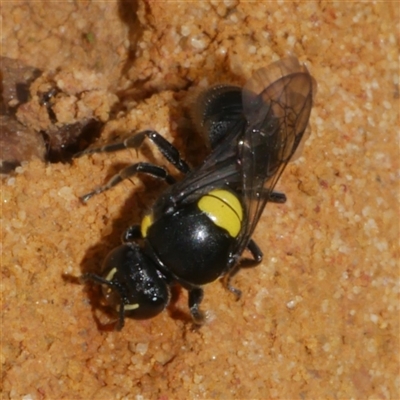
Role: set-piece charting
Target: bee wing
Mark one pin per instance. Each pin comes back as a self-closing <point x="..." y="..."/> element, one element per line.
<point x="277" y="103"/>
<point x="256" y="150"/>
<point x="219" y="169"/>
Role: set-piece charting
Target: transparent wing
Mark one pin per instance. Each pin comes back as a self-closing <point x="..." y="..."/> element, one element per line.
<point x="277" y="103"/>
<point x="220" y="169"/>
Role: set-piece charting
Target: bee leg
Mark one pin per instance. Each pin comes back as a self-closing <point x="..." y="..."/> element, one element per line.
<point x="255" y="251"/>
<point x="273" y="197"/>
<point x="121" y="317"/>
<point x="195" y="297"/>
<point x="257" y="254"/>
<point x="169" y="151"/>
<point x="227" y="282"/>
<point x="276" y="197"/>
<point x="128" y="172"/>
<point x="131" y="234"/>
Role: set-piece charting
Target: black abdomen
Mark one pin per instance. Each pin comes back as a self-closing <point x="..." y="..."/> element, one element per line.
<point x="190" y="245"/>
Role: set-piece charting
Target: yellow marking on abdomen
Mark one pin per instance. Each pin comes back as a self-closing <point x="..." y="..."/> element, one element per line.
<point x="224" y="209"/>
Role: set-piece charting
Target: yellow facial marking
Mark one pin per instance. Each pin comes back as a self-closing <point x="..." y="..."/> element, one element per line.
<point x="111" y="274"/>
<point x="147" y="221"/>
<point x="224" y="209"/>
<point x="129" y="307"/>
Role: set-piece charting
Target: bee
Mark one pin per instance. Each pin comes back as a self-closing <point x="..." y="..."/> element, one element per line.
<point x="198" y="228"/>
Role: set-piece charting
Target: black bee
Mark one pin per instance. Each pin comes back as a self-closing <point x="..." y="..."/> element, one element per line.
<point x="199" y="227"/>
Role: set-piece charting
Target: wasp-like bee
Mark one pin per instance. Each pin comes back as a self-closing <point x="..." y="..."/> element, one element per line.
<point x="199" y="227"/>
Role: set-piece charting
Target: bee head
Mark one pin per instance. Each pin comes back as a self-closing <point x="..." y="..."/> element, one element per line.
<point x="132" y="284"/>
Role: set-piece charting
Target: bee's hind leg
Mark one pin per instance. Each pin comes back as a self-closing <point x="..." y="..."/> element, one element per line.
<point x="246" y="263"/>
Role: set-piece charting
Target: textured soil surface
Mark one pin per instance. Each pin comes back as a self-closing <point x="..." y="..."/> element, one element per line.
<point x="318" y="318"/>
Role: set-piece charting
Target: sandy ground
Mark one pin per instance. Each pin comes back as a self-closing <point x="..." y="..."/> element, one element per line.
<point x="319" y="318"/>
